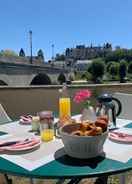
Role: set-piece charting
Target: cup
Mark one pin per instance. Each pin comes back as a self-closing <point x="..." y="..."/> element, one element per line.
<point x="46" y="125"/>
<point x="35" y="123"/>
<point x="64" y="108"/>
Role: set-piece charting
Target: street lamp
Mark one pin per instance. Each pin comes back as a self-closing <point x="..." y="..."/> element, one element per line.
<point x="52" y="52"/>
<point x="30" y="40"/>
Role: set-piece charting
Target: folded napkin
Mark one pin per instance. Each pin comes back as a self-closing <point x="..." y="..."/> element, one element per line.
<point x="25" y="119"/>
<point x="121" y="136"/>
<point x="19" y="145"/>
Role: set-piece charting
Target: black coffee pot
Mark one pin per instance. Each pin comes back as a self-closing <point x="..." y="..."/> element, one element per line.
<point x="107" y="103"/>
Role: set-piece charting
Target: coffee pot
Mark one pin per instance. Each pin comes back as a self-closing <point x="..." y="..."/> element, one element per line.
<point x="108" y="105"/>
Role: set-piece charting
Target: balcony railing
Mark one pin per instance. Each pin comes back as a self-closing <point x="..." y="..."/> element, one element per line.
<point x="23" y="100"/>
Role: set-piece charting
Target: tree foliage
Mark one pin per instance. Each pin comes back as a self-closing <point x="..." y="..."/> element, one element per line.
<point x="114" y="69"/>
<point x="60" y="57"/>
<point x="122" y="71"/>
<point x="130" y="68"/>
<point x="97" y="69"/>
<point x="22" y="53"/>
<point x="8" y="52"/>
<point x="118" y="55"/>
<point x="40" y="54"/>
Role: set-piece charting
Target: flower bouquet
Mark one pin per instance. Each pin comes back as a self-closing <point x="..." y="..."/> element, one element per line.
<point x="83" y="96"/>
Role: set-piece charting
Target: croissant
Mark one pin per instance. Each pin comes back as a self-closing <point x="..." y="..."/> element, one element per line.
<point x="91" y="132"/>
<point x="101" y="123"/>
<point x="105" y="118"/>
<point x="91" y="126"/>
<point x="83" y="126"/>
<point x="99" y="130"/>
<point x="77" y="132"/>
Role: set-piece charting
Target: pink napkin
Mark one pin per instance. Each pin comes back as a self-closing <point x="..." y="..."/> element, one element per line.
<point x="20" y="145"/>
<point x="122" y="137"/>
<point x="25" y="119"/>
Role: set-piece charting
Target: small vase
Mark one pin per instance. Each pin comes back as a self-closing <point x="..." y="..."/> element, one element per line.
<point x="88" y="114"/>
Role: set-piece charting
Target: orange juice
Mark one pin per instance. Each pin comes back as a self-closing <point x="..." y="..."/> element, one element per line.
<point x="64" y="107"/>
<point x="47" y="135"/>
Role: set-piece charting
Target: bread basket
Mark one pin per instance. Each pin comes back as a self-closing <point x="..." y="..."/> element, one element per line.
<point x="82" y="147"/>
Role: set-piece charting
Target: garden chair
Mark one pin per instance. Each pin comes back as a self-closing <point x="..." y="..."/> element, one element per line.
<point x="126" y="100"/>
<point x="4" y="118"/>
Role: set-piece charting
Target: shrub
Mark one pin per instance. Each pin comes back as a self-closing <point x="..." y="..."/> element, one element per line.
<point x="113" y="69"/>
<point x="130" y="68"/>
<point x="97" y="69"/>
<point x="122" y="71"/>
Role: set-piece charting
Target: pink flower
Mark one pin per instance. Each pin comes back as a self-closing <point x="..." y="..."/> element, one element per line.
<point x="82" y="95"/>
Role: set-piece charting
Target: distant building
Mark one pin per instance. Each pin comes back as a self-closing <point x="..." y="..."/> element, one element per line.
<point x="60" y="64"/>
<point x="81" y="52"/>
<point x="82" y="65"/>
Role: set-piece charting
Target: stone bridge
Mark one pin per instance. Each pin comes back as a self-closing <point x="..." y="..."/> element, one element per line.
<point x="13" y="74"/>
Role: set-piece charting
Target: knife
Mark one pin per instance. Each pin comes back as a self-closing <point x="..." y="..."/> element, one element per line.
<point x="9" y="143"/>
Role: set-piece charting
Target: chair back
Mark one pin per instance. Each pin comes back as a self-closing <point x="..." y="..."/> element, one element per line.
<point x="4" y="118"/>
<point x="126" y="100"/>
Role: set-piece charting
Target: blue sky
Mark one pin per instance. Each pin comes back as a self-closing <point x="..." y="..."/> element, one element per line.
<point x="64" y="23"/>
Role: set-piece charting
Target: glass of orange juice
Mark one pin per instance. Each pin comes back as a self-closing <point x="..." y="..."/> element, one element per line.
<point x="46" y="125"/>
<point x="47" y="134"/>
<point x="64" y="107"/>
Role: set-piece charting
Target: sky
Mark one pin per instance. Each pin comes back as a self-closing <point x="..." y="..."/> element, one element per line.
<point x="64" y="23"/>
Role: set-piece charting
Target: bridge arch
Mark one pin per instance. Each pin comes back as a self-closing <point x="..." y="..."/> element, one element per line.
<point x="41" y="79"/>
<point x="2" y="83"/>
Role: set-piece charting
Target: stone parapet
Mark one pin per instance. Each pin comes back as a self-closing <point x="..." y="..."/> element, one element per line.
<point x="19" y="100"/>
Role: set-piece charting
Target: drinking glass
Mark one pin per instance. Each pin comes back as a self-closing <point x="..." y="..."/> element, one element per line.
<point x="64" y="107"/>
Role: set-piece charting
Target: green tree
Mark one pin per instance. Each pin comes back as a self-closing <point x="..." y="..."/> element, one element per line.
<point x="40" y="54"/>
<point x="130" y="68"/>
<point x="22" y="53"/>
<point x="116" y="55"/>
<point x="97" y="69"/>
<point x="8" y="52"/>
<point x="122" y="70"/>
<point x="109" y="65"/>
<point x="114" y="69"/>
<point x="60" y="57"/>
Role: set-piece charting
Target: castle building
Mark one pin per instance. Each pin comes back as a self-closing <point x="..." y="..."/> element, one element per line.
<point x="81" y="52"/>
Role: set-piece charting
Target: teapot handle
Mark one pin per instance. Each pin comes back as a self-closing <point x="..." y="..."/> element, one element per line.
<point x="119" y="106"/>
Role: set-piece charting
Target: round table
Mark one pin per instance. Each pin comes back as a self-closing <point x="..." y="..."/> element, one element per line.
<point x="65" y="167"/>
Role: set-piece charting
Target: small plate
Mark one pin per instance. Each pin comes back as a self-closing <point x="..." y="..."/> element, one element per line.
<point x="24" y="147"/>
<point x="120" y="137"/>
<point x="25" y="119"/>
<point x="24" y="122"/>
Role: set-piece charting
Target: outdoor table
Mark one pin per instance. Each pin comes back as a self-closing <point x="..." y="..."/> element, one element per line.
<point x="65" y="167"/>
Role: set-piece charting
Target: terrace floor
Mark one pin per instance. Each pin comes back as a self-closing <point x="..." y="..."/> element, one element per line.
<point x="22" y="180"/>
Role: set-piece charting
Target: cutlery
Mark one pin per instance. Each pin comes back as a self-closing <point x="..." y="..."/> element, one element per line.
<point x="10" y="143"/>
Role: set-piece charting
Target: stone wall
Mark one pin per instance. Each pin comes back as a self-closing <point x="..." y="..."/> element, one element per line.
<point x="23" y="100"/>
